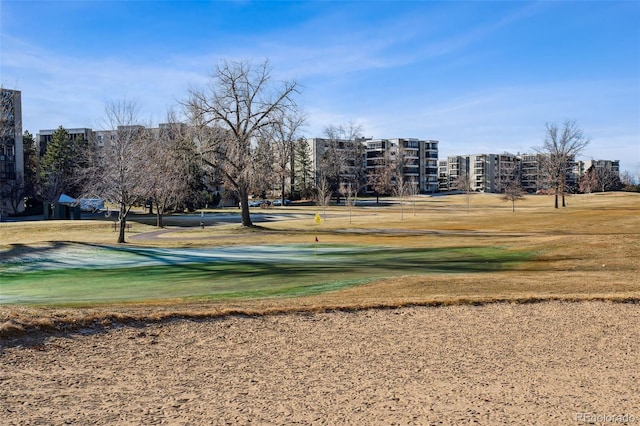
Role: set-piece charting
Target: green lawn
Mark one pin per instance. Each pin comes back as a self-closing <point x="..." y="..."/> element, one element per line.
<point x="84" y="275"/>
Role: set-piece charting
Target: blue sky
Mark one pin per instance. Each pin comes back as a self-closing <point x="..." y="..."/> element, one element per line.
<point x="479" y="76"/>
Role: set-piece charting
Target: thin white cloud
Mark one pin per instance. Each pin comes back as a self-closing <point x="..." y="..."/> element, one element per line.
<point x="333" y="61"/>
<point x="72" y="91"/>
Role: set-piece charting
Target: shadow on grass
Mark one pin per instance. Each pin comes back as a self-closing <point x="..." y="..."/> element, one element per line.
<point x="288" y="271"/>
<point x="16" y="251"/>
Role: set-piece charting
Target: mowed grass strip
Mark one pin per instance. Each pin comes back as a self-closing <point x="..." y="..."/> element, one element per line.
<point x="271" y="277"/>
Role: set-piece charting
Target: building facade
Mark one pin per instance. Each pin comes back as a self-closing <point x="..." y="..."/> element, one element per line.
<point x="419" y="158"/>
<point x="485" y="172"/>
<point x="455" y="168"/>
<point x="581" y="167"/>
<point x="531" y="175"/>
<point x="43" y="137"/>
<point x="363" y="156"/>
<point x="11" y="152"/>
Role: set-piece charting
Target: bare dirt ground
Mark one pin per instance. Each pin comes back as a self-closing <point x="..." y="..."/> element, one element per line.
<point x="539" y="363"/>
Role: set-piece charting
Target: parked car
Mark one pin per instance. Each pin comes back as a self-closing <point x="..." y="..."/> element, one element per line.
<point x="278" y="202"/>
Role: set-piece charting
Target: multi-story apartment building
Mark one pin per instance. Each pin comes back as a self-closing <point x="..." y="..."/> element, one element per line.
<point x="443" y="176"/>
<point x="485" y="171"/>
<point x="11" y="152"/>
<point x="531" y="175"/>
<point x="339" y="160"/>
<point x="429" y="166"/>
<point x="456" y="166"/>
<point x="610" y="165"/>
<point x="43" y="138"/>
<point x="482" y="172"/>
<point x="419" y="158"/>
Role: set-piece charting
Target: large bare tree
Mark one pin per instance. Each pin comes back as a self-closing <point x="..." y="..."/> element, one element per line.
<point x="170" y="156"/>
<point x="285" y="134"/>
<point x="607" y="180"/>
<point x="628" y="181"/>
<point x="342" y="161"/>
<point x="241" y="101"/>
<point x="117" y="173"/>
<point x="263" y="177"/>
<point x="380" y="177"/>
<point x="561" y="146"/>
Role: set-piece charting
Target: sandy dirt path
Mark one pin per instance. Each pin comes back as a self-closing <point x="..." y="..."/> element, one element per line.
<point x="544" y="363"/>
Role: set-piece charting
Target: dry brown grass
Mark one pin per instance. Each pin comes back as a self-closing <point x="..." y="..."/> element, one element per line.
<point x="587" y="251"/>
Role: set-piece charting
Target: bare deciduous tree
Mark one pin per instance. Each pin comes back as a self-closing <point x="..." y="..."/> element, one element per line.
<point x="169" y="156"/>
<point x="323" y="194"/>
<point x="13" y="190"/>
<point x="349" y="193"/>
<point x="588" y="182"/>
<point x="560" y="147"/>
<point x="626" y="177"/>
<point x="263" y="176"/>
<point x="629" y="181"/>
<point x="403" y="183"/>
<point x="381" y="175"/>
<point x="509" y="183"/>
<point x="401" y="190"/>
<point x="463" y="183"/>
<point x="118" y="172"/>
<point x="606" y="179"/>
<point x="342" y="161"/>
<point x="412" y="191"/>
<point x="286" y="133"/>
<point x="241" y="100"/>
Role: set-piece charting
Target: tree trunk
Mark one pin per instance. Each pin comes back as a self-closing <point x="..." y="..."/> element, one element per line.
<point x="123" y="224"/>
<point x="292" y="169"/>
<point x="244" y="208"/>
<point x="122" y="218"/>
<point x="556" y="194"/>
<point x="282" y="191"/>
<point x="159" y="216"/>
